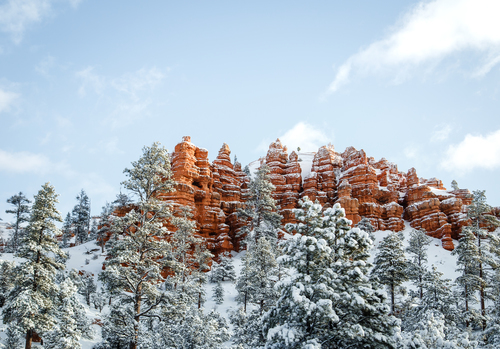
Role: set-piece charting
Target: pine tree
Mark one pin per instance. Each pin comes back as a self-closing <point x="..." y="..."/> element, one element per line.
<point x="6" y="280"/>
<point x="72" y="322"/>
<point x="479" y="213"/>
<point x="226" y="267"/>
<point x="218" y="292"/>
<point x="105" y="223"/>
<point x="67" y="230"/>
<point x="315" y="308"/>
<point x="454" y="185"/>
<point x="469" y="281"/>
<point x="81" y="218"/>
<point x="99" y="299"/>
<point x="417" y="250"/>
<point x="88" y="287"/>
<point x="391" y="265"/>
<point x="21" y="213"/>
<point x="260" y="209"/>
<point x="13" y="336"/>
<point x="31" y="301"/>
<point x="258" y="277"/>
<point x="133" y="271"/>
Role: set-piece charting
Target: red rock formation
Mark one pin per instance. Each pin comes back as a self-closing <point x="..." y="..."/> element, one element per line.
<point x="363" y="187"/>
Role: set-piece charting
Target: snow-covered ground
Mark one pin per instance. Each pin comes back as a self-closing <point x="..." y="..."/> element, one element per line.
<point x="437" y="256"/>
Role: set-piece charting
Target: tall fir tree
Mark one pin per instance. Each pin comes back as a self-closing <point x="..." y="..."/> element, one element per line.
<point x="390" y="265"/>
<point x="105" y="225"/>
<point x="81" y="218"/>
<point x="134" y="269"/>
<point x="31" y="301"/>
<point x="417" y="251"/>
<point x="479" y="212"/>
<point x="21" y="212"/>
<point x="469" y="281"/>
<point x="260" y="209"/>
<point x="67" y="230"/>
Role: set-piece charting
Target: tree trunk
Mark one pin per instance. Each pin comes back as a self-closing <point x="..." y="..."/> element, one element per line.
<point x="29" y="339"/>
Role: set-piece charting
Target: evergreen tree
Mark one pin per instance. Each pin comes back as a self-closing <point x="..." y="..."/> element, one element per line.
<point x="105" y="223"/>
<point x="67" y="230"/>
<point x="469" y="281"/>
<point x="260" y="209"/>
<point x="31" y="301"/>
<point x="226" y="267"/>
<point x="438" y="299"/>
<point x="315" y="308"/>
<point x="258" y="277"/>
<point x="479" y="212"/>
<point x="21" y="213"/>
<point x="218" y="292"/>
<point x="99" y="299"/>
<point x="133" y="271"/>
<point x="72" y="322"/>
<point x="81" y="218"/>
<point x="454" y="185"/>
<point x="13" y="336"/>
<point x="417" y="250"/>
<point x="391" y="265"/>
<point x="87" y="287"/>
<point x="6" y="279"/>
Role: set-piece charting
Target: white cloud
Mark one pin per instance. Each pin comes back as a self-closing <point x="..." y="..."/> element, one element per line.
<point x="441" y="133"/>
<point x="17" y="15"/>
<point x="428" y="33"/>
<point x="24" y="162"/>
<point x="302" y="135"/>
<point x="474" y="152"/>
<point x="6" y="99"/>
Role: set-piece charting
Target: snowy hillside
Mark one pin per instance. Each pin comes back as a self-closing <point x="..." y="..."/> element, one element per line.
<point x="79" y="256"/>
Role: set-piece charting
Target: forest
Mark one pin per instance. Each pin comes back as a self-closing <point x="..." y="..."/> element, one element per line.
<point x="316" y="283"/>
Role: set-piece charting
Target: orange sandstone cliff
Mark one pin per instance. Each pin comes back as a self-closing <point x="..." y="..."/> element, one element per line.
<point x="364" y="187"/>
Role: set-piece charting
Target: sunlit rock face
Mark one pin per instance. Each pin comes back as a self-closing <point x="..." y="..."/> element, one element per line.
<point x="364" y="187"/>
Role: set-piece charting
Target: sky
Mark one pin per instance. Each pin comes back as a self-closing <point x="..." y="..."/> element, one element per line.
<point x="84" y="85"/>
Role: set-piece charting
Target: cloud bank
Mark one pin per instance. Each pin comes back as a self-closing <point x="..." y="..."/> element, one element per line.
<point x="474" y="152"/>
<point x="425" y="35"/>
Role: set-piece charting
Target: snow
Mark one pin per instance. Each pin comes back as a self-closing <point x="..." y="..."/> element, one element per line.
<point x="437" y="256"/>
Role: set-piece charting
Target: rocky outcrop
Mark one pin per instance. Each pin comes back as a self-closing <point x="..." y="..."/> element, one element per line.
<point x="363" y="186"/>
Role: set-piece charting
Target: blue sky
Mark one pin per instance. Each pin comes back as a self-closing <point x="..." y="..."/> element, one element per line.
<point x="84" y="85"/>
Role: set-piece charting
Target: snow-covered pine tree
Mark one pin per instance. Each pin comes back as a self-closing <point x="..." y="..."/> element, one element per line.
<point x="13" y="336"/>
<point x="133" y="271"/>
<point x="105" y="223"/>
<point x="391" y="265"/>
<point x="72" y="322"/>
<point x="469" y="281"/>
<point x="417" y="250"/>
<point x="99" y="299"/>
<point x="88" y="287"/>
<point x="81" y="218"/>
<point x="20" y="211"/>
<point x="226" y="267"/>
<point x="218" y="292"/>
<point x="321" y="253"/>
<point x="31" y="301"/>
<point x="479" y="212"/>
<point x="454" y="185"/>
<point x="260" y="209"/>
<point x="360" y="304"/>
<point x="67" y="230"/>
<point x="438" y="299"/>
<point x="6" y="279"/>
